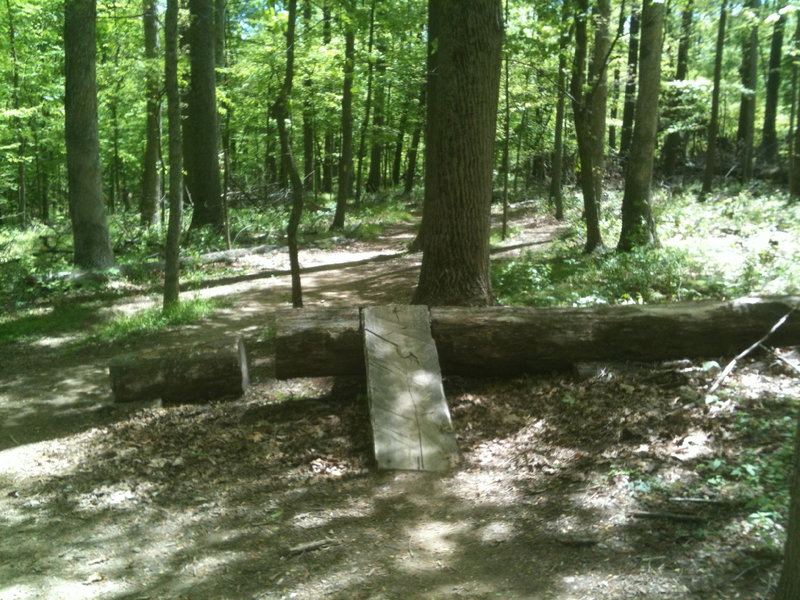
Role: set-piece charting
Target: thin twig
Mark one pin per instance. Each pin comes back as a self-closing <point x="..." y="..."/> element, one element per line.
<point x="732" y="365"/>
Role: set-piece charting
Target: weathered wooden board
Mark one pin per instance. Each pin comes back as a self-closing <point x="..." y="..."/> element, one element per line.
<point x="411" y="423"/>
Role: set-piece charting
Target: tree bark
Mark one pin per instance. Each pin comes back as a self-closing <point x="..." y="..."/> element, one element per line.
<point x="769" y="137"/>
<point x="789" y="584"/>
<point x="460" y="131"/>
<point x="345" y="189"/>
<point x="22" y="203"/>
<point x="612" y="129"/>
<point x="201" y="130"/>
<point x="196" y="375"/>
<point x="308" y="110"/>
<point x="713" y="121"/>
<point x="598" y="78"/>
<point x="556" y="198"/>
<point x="85" y="189"/>
<point x="151" y="179"/>
<point x="673" y="144"/>
<point x="582" y="106"/>
<point x="413" y="150"/>
<point x="280" y="111"/>
<point x="747" y="105"/>
<point x="638" y="227"/>
<point x="494" y="341"/>
<point x="629" y="106"/>
<point x="375" y="174"/>
<point x="172" y="262"/>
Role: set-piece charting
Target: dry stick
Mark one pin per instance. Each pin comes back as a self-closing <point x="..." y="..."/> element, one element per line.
<point x="309" y="546"/>
<point x="731" y="365"/>
<point x="777" y="356"/>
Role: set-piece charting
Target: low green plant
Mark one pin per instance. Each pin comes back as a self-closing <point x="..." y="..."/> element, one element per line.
<point x="153" y="319"/>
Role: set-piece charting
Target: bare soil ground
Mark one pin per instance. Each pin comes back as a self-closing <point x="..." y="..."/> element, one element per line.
<point x="274" y="496"/>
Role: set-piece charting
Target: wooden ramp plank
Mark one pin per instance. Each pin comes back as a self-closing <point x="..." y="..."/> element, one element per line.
<point x="411" y="423"/>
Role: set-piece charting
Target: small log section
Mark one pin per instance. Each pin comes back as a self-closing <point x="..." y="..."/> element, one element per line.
<point x="411" y="423"/>
<point x="195" y="375"/>
<point x="503" y="341"/>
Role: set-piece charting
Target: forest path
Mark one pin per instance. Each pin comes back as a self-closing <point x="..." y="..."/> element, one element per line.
<point x="104" y="501"/>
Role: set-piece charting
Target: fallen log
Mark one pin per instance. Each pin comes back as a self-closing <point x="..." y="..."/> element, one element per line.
<point x="197" y="374"/>
<point x="510" y="340"/>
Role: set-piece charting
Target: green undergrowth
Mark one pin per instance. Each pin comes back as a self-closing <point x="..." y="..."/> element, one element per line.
<point x="742" y="242"/>
<point x="150" y="320"/>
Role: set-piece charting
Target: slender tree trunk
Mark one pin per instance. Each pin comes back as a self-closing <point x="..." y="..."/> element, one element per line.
<point x="362" y="144"/>
<point x="413" y="149"/>
<point x="85" y="188"/>
<point x="151" y="180"/>
<point x="345" y="189"/>
<point x="327" y="161"/>
<point x="558" y="144"/>
<point x="374" y="177"/>
<point x="713" y="122"/>
<point x="747" y="105"/>
<point x="673" y="144"/>
<point x="769" y="137"/>
<point x="505" y="161"/>
<point x="397" y="162"/>
<point x="172" y="266"/>
<point x="582" y="113"/>
<point x="630" y="82"/>
<point x="221" y="62"/>
<point x="638" y="226"/>
<point x="281" y="113"/>
<point x="22" y="203"/>
<point x="794" y="135"/>
<point x="598" y="78"/>
<point x="612" y="129"/>
<point x="201" y="129"/>
<point x="460" y="131"/>
<point x="308" y="110"/>
<point x="789" y="584"/>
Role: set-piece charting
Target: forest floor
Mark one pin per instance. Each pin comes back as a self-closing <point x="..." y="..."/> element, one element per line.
<point x="591" y="485"/>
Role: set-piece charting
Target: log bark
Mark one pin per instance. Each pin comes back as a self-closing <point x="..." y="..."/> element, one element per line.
<point x="196" y="375"/>
<point x="511" y="341"/>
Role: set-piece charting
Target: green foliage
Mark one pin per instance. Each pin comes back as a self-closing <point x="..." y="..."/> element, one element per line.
<point x="154" y="319"/>
<point x="746" y="242"/>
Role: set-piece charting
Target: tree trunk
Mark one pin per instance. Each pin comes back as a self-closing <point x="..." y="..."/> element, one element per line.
<point x="612" y="129"/>
<point x="769" y="138"/>
<point x="747" y="104"/>
<point x="413" y="150"/>
<point x="201" y="128"/>
<point x="172" y="263"/>
<point x="375" y="175"/>
<point x="626" y="132"/>
<point x="598" y="78"/>
<point x="280" y="111"/>
<point x="673" y="144"/>
<point x="495" y="341"/>
<point x="85" y="187"/>
<point x="582" y="113"/>
<point x="397" y="161"/>
<point x="638" y="227"/>
<point x="345" y="182"/>
<point x="460" y="132"/>
<point x="558" y="144"/>
<point x="362" y="143"/>
<point x="327" y="160"/>
<point x="308" y="111"/>
<point x="151" y="180"/>
<point x="713" y="121"/>
<point x="789" y="584"/>
<point x="22" y="203"/>
<point x="794" y="133"/>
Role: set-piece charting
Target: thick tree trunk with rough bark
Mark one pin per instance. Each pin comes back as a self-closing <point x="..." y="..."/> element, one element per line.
<point x="201" y="129"/>
<point x="638" y="227"/>
<point x="511" y="341"/>
<point x="462" y="114"/>
<point x="85" y="189"/>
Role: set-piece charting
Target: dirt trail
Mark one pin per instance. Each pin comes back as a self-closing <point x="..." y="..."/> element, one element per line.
<point x="102" y="501"/>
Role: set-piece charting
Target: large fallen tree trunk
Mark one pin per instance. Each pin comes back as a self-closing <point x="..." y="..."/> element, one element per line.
<point x="508" y="341"/>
